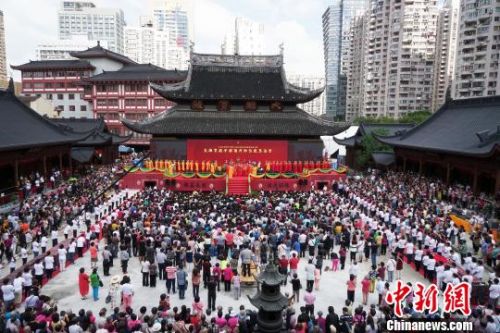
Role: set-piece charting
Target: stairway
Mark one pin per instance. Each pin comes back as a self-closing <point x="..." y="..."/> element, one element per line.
<point x="237" y="186"/>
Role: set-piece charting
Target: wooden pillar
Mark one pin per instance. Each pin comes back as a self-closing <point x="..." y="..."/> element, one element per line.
<point x="448" y="173"/>
<point x="44" y="165"/>
<point x="70" y="163"/>
<point x="16" y="172"/>
<point x="497" y="182"/>
<point x="474" y="180"/>
<point x="60" y="161"/>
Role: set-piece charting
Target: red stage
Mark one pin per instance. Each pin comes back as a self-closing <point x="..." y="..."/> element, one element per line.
<point x="190" y="182"/>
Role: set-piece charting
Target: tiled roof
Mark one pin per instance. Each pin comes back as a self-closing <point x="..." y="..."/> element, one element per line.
<point x="468" y="127"/>
<point x="216" y="77"/>
<point x="140" y="72"/>
<point x="99" y="52"/>
<point x="370" y="128"/>
<point x="23" y="128"/>
<point x="180" y="120"/>
<point x="53" y="64"/>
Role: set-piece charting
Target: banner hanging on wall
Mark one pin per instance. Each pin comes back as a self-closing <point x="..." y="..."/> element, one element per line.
<point x="237" y="150"/>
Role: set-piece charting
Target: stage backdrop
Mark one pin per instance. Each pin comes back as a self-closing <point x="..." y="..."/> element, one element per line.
<point x="243" y="150"/>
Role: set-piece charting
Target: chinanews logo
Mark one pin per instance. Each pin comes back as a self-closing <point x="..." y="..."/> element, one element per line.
<point x="433" y="326"/>
<point x="455" y="298"/>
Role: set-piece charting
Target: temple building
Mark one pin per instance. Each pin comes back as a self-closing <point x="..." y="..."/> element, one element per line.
<point x="99" y="144"/>
<point x="354" y="143"/>
<point x="234" y="107"/>
<point x="460" y="143"/>
<point x="29" y="142"/>
<point x="99" y="83"/>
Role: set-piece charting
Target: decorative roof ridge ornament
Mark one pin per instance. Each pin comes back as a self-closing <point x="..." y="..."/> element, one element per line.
<point x="488" y="136"/>
<point x="236" y="60"/>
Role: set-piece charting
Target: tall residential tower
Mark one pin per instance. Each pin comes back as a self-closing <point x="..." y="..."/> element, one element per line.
<point x="446" y="48"/>
<point x="399" y="57"/>
<point x="3" y="56"/>
<point x="336" y="21"/>
<point x="173" y="18"/>
<point x="478" y="52"/>
<point x="83" y="17"/>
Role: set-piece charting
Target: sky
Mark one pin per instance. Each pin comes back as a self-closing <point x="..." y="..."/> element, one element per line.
<point x="295" y="23"/>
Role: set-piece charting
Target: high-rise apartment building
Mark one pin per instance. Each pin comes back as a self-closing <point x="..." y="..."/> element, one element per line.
<point x="140" y="43"/>
<point x="249" y="37"/>
<point x="3" y="53"/>
<point x="478" y="50"/>
<point x="60" y="49"/>
<point x="399" y="57"/>
<point x="174" y="19"/>
<point x="446" y="47"/>
<point x="354" y="67"/>
<point x="336" y="22"/>
<point x="316" y="106"/>
<point x="227" y="45"/>
<point x="83" y="17"/>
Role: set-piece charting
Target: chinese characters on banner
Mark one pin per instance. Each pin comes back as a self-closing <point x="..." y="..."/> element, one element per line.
<point x="455" y="298"/>
<point x="242" y="150"/>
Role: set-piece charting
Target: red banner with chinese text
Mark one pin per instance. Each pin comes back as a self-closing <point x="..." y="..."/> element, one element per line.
<point x="237" y="150"/>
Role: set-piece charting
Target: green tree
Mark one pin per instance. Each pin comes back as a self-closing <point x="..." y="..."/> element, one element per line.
<point x="413" y="117"/>
<point x="369" y="145"/>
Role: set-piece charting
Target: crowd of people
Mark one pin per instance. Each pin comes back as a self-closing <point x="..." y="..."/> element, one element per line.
<point x="194" y="243"/>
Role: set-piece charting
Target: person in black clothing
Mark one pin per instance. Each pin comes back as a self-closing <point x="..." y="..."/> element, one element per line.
<point x="212" y="292"/>
<point x="331" y="319"/>
<point x="345" y="321"/>
<point x="303" y="316"/>
<point x="296" y="286"/>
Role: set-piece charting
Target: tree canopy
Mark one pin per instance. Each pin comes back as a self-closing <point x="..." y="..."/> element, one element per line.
<point x="410" y="118"/>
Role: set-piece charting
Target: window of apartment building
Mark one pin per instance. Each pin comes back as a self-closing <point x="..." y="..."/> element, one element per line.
<point x="60" y="96"/>
<point x="48" y="96"/>
<point x="60" y="108"/>
<point x="59" y="85"/>
<point x="83" y="108"/>
<point x="71" y="96"/>
<point x="72" y="108"/>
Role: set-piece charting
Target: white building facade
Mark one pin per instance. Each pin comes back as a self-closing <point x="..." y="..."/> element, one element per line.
<point x="478" y="50"/>
<point x="173" y="19"/>
<point x="316" y="106"/>
<point x="83" y="17"/>
<point x="60" y="49"/>
<point x="399" y="57"/>
<point x="249" y="37"/>
<point x="446" y="48"/>
<point x="354" y="67"/>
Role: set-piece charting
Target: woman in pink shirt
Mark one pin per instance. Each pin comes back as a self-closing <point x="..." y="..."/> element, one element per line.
<point x="351" y="288"/>
<point x="198" y="306"/>
<point x="365" y="288"/>
<point x="220" y="321"/>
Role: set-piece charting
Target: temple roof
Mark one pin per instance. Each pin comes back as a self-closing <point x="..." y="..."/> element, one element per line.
<point x="100" y="52"/>
<point x="181" y="120"/>
<point x="469" y="127"/>
<point x="95" y="131"/>
<point x="236" y="78"/>
<point x="53" y="64"/>
<point x="371" y="128"/>
<point x="23" y="128"/>
<point x="139" y="72"/>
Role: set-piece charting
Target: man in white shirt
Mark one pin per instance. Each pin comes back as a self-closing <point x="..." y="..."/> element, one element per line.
<point x="494" y="292"/>
<point x="431" y="265"/>
<point x="18" y="288"/>
<point x="61" y="254"/>
<point x="49" y="265"/>
<point x="8" y="294"/>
